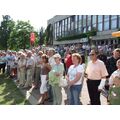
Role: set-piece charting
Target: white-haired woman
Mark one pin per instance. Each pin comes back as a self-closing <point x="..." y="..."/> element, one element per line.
<point x="54" y="79"/>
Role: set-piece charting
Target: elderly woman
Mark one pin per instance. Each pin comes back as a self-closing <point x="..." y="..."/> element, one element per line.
<point x="74" y="78"/>
<point x="54" y="79"/>
<point x="114" y="82"/>
<point x="22" y="69"/>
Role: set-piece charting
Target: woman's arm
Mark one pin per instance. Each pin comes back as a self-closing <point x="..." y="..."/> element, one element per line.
<point x="77" y="78"/>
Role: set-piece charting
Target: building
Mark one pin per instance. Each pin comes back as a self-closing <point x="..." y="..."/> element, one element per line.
<point x="65" y="26"/>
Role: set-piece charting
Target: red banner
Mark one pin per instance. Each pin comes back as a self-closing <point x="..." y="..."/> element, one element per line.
<point x="32" y="37"/>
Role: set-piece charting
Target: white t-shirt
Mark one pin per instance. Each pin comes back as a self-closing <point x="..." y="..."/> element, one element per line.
<point x="72" y="71"/>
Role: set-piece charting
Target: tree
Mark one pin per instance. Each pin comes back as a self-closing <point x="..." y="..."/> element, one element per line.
<point x="20" y="36"/>
<point x="41" y="36"/>
<point x="49" y="34"/>
<point x="5" y="30"/>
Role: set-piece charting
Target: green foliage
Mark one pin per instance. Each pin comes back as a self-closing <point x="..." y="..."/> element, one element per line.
<point x="15" y="35"/>
<point x="82" y="35"/>
<point x="5" y="30"/>
<point x="20" y="36"/>
<point x="9" y="93"/>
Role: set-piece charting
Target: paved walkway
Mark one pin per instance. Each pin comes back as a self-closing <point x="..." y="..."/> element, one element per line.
<point x="35" y="94"/>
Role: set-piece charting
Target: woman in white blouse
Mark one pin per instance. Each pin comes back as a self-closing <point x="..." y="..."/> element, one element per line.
<point x="74" y="78"/>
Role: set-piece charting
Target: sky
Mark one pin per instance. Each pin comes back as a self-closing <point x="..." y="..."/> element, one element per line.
<point x="39" y="11"/>
<point x="26" y="10"/>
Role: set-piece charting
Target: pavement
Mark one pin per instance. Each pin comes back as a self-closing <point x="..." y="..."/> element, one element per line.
<point x="34" y="95"/>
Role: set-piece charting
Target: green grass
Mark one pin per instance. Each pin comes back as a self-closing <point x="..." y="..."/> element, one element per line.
<point x="9" y="93"/>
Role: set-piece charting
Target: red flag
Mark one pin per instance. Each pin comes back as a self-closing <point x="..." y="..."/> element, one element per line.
<point x="32" y="37"/>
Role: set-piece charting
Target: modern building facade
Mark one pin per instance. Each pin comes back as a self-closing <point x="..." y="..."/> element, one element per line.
<point x="69" y="25"/>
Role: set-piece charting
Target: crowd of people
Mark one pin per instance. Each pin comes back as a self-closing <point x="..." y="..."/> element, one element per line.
<point x="45" y="68"/>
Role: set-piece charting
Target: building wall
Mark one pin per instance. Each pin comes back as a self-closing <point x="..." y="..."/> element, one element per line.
<point x="67" y="25"/>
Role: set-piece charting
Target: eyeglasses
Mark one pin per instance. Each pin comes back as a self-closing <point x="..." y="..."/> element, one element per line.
<point x="91" y="54"/>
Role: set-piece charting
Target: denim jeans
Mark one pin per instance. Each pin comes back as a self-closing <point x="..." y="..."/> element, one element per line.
<point x="75" y="91"/>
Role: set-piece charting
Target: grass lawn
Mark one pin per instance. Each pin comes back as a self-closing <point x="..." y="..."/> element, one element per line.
<point x="9" y="93"/>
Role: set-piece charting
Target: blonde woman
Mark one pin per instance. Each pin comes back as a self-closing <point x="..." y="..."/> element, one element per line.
<point x="74" y="78"/>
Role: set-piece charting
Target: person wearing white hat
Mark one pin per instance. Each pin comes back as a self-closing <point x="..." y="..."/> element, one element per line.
<point x="29" y="65"/>
<point x="54" y="79"/>
<point x="22" y="69"/>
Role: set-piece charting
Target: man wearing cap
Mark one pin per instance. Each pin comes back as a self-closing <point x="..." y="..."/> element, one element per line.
<point x="29" y="65"/>
<point x="22" y="69"/>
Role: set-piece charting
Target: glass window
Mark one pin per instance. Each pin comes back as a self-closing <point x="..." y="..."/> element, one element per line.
<point x="94" y="25"/>
<point x="100" y="18"/>
<point x="80" y="21"/>
<point x="76" y="21"/>
<point x="76" y="18"/>
<point x="84" y="29"/>
<point x="89" y="20"/>
<point x="114" y="24"/>
<point x="106" y="18"/>
<point x="113" y="16"/>
<point x="99" y="26"/>
<point x="80" y="24"/>
<point x="72" y="22"/>
<point x="89" y="28"/>
<point x="106" y="25"/>
<point x="84" y="20"/>
<point x="65" y="21"/>
<point x="73" y="18"/>
<point x="94" y="19"/>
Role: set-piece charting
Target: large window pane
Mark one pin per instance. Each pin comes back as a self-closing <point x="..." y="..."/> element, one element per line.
<point x="76" y="22"/>
<point x="84" y="20"/>
<point x="106" y="25"/>
<point x="106" y="18"/>
<point x="99" y="26"/>
<point x="99" y="18"/>
<point x="89" y="22"/>
<point x="94" y="19"/>
<point x="114" y="24"/>
<point x="68" y="23"/>
<point x="113" y="16"/>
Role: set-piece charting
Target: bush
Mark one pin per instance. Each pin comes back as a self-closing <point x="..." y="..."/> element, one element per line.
<point x="79" y="36"/>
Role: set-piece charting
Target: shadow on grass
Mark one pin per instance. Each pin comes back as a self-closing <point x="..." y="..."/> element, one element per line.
<point x="9" y="93"/>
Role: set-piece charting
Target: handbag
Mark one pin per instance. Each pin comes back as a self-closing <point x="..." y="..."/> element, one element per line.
<point x="63" y="82"/>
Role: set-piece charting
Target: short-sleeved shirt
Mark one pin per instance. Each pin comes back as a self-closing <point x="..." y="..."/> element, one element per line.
<point x="72" y="71"/>
<point x="37" y="62"/>
<point x="30" y="61"/>
<point x="97" y="70"/>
